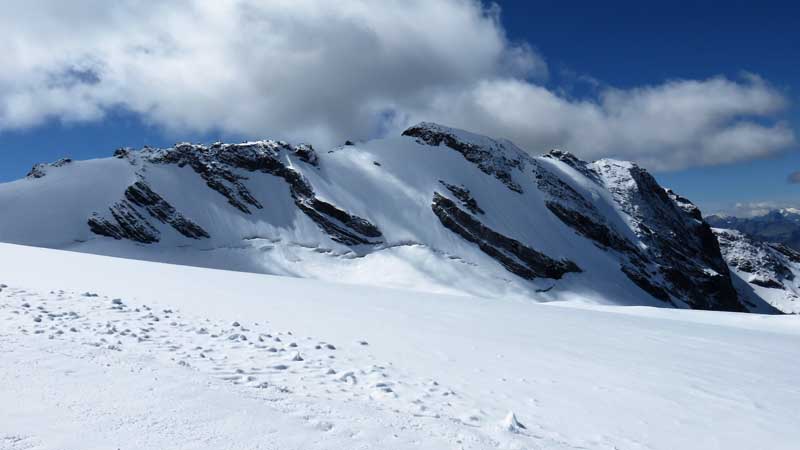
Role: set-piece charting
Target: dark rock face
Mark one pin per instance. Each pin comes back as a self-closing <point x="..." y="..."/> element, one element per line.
<point x="591" y="228"/>
<point x="640" y="278"/>
<point x="463" y="195"/>
<point x="574" y="210"/>
<point x="767" y="283"/>
<point x="40" y="170"/>
<point x="582" y="216"/>
<point x="212" y="164"/>
<point x="512" y="254"/>
<point x="306" y="154"/>
<point x="339" y="225"/>
<point x="789" y="253"/>
<point x="492" y="157"/>
<point x="219" y="166"/>
<point x="684" y="204"/>
<point x="680" y="259"/>
<point x="141" y="195"/>
<point x="129" y="223"/>
<point x="122" y="153"/>
<point x="681" y="247"/>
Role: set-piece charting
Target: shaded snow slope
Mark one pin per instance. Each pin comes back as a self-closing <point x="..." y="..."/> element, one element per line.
<point x="436" y="209"/>
<point x="101" y="352"/>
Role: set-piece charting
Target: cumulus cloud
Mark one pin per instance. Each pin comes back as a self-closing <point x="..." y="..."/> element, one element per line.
<point x="669" y="126"/>
<point x="756" y="209"/>
<point x="321" y="71"/>
<point x="794" y="177"/>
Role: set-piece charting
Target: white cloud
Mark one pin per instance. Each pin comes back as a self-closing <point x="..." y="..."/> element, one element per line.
<point x="755" y="209"/>
<point x="673" y="125"/>
<point x="324" y="71"/>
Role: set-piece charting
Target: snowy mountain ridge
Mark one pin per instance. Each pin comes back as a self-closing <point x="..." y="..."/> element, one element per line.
<point x="771" y="270"/>
<point x="780" y="225"/>
<point x="436" y="209"/>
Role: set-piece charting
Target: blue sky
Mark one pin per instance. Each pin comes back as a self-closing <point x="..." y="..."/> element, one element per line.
<point x="570" y="54"/>
<point x="633" y="43"/>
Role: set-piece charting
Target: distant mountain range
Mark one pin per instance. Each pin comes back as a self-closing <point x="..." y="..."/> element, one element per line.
<point x="436" y="209"/>
<point x="781" y="226"/>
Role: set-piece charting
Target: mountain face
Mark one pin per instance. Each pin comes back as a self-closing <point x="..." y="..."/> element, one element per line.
<point x="782" y="226"/>
<point x="771" y="270"/>
<point x="436" y="209"/>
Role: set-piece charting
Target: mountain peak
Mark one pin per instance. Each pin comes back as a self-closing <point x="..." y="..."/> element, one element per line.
<point x="469" y="214"/>
<point x="789" y="211"/>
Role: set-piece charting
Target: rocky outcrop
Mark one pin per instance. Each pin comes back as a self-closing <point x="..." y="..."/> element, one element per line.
<point x="765" y="265"/>
<point x="790" y="254"/>
<point x="496" y="158"/>
<point x="672" y="254"/>
<point x="221" y="167"/>
<point x="680" y="246"/>
<point x="141" y="195"/>
<point x="339" y="225"/>
<point x="574" y="162"/>
<point x="591" y="227"/>
<point x="464" y="196"/>
<point x="40" y="170"/>
<point x="573" y="209"/>
<point x="780" y="226"/>
<point x="516" y="257"/>
<point x="128" y="221"/>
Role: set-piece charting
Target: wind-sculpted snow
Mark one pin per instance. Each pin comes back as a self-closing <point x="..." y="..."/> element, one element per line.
<point x="435" y="209"/>
<point x="771" y="270"/>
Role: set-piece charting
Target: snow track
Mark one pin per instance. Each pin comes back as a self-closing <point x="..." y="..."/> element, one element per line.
<point x="209" y="363"/>
<point x="329" y="392"/>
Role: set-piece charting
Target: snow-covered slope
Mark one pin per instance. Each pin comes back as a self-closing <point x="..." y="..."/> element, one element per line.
<point x="436" y="209"/>
<point x="764" y="270"/>
<point x="99" y="352"/>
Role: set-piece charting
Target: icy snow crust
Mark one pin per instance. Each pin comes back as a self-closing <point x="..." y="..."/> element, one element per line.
<point x="388" y="184"/>
<point x="101" y="352"/>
